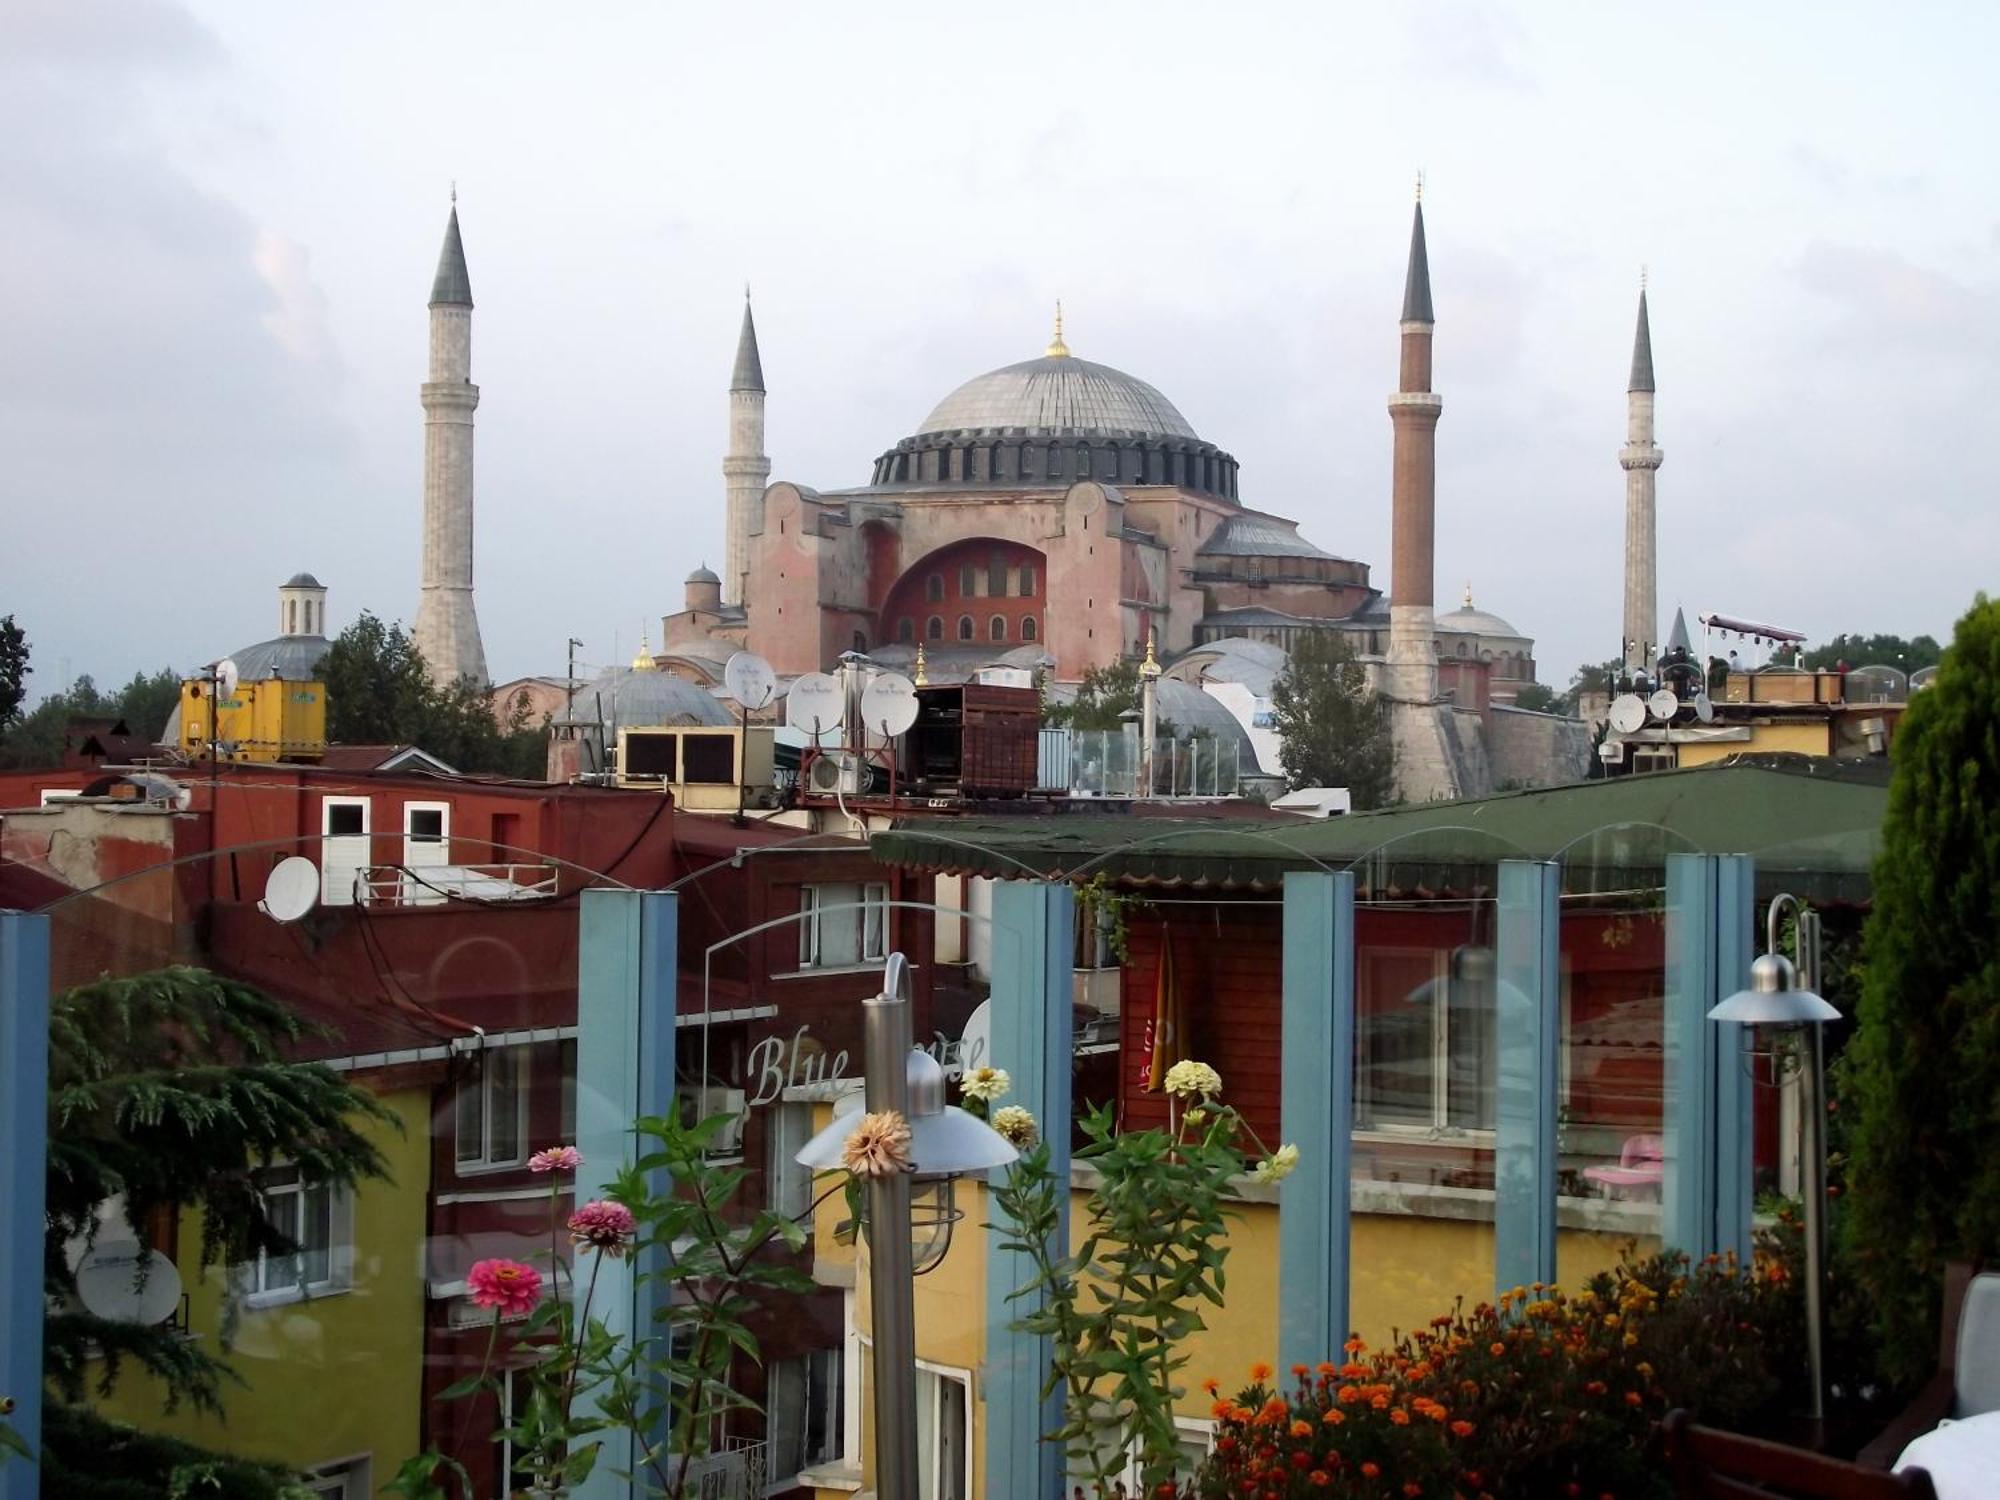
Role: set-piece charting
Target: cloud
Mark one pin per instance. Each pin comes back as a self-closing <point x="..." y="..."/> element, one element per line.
<point x="1468" y="40"/>
<point x="1882" y="300"/>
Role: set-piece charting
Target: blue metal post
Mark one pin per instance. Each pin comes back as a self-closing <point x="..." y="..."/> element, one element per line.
<point x="1316" y="1103"/>
<point x="1528" y="1006"/>
<point x="627" y="970"/>
<point x="1034" y="943"/>
<point x="24" y="1115"/>
<point x="1735" y="946"/>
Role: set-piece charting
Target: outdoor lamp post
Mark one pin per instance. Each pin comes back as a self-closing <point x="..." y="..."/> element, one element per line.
<point x="945" y="1142"/>
<point x="1783" y="1003"/>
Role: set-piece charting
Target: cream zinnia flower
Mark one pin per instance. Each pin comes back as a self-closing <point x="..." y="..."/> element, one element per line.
<point x="985" y="1084"/>
<point x="1277" y="1166"/>
<point x="1189" y="1078"/>
<point x="1016" y="1125"/>
<point x="878" y="1146"/>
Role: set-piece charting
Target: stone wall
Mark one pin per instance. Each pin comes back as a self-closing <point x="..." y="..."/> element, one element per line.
<point x="1534" y="749"/>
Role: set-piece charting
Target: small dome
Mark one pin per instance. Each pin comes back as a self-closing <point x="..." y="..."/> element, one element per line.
<point x="630" y="698"/>
<point x="295" y="658"/>
<point x="1466" y="620"/>
<point x="703" y="574"/>
<point x="1058" y="393"/>
<point x="302" y="581"/>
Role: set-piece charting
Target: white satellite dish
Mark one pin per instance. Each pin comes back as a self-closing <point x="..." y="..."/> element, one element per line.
<point x="1663" y="705"/>
<point x="748" y="679"/>
<point x="226" y="677"/>
<point x="292" y="889"/>
<point x="889" y="704"/>
<point x="976" y="1040"/>
<point x="1704" y="710"/>
<point x="1628" y="713"/>
<point x="124" y="1283"/>
<point x="816" y="702"/>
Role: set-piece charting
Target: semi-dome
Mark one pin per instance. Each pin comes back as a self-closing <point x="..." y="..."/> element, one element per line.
<point x="1058" y="393"/>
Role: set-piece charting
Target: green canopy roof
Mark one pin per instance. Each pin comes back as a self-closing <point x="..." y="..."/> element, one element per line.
<point x="1812" y="824"/>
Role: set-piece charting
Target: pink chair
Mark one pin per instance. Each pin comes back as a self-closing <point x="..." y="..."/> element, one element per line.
<point x="1642" y="1163"/>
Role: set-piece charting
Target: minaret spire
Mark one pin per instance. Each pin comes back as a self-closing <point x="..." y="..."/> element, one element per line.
<point x="447" y="627"/>
<point x="745" y="468"/>
<point x="1640" y="458"/>
<point x="1414" y="410"/>
<point x="1057" y="348"/>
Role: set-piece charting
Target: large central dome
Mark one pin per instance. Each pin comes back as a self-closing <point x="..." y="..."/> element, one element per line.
<point x="1058" y="393"/>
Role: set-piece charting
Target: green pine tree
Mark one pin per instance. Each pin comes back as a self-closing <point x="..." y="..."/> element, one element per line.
<point x="1923" y="1070"/>
<point x="169" y="1091"/>
<point x="1335" y="730"/>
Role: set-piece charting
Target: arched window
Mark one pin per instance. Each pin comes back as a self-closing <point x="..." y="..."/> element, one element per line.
<point x="968" y="581"/>
<point x="906" y="629"/>
<point x="1027" y="582"/>
<point x="1028" y="628"/>
<point x="934" y="588"/>
<point x="1463" y="649"/>
<point x="934" y="628"/>
<point x="291" y="617"/>
<point x="997" y="627"/>
<point x="965" y="627"/>
<point x="860" y="640"/>
<point x="996" y="574"/>
<point x="309" y="618"/>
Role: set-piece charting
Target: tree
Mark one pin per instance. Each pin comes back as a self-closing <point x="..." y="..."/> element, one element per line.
<point x="1102" y="699"/>
<point x="1540" y="697"/>
<point x="1333" y="730"/>
<point x="1874" y="651"/>
<point x="168" y="1091"/>
<point x="378" y="692"/>
<point x="144" y="704"/>
<point x="1923" y="1070"/>
<point x="1591" y="677"/>
<point x="14" y="670"/>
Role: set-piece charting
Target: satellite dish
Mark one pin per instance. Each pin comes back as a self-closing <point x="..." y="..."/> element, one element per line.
<point x="124" y="1283"/>
<point x="976" y="1040"/>
<point x="889" y="704"/>
<point x="1704" y="710"/>
<point x="1663" y="705"/>
<point x="292" y="889"/>
<point x="1628" y="713"/>
<point x="226" y="677"/>
<point x="748" y="679"/>
<point x="816" y="702"/>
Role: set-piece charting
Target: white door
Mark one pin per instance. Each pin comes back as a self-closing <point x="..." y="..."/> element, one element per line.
<point x="344" y="851"/>
<point x="426" y="846"/>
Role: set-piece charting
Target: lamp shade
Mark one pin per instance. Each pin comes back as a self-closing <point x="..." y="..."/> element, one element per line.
<point x="1773" y="998"/>
<point x="945" y="1141"/>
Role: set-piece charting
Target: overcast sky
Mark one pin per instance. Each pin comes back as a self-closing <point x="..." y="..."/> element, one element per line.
<point x="221" y="222"/>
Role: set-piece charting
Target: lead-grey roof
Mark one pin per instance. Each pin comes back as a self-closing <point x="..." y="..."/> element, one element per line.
<point x="703" y="574"/>
<point x="1059" y="393"/>
<point x="1255" y="535"/>
<point x="1642" y="350"/>
<point x="452" y="287"/>
<point x="1677" y="638"/>
<point x="749" y="372"/>
<point x="1470" y="621"/>
<point x="303" y="581"/>
<point x="295" y="658"/>
<point x="1417" y="283"/>
<point x="632" y="698"/>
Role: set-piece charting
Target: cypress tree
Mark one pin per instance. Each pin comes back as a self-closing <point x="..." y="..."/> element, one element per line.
<point x="1923" y="1070"/>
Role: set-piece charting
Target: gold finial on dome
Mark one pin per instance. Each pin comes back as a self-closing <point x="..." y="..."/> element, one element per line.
<point x="1468" y="593"/>
<point x="921" y="677"/>
<point x="642" y="660"/>
<point x="1057" y="348"/>
<point x="1150" y="667"/>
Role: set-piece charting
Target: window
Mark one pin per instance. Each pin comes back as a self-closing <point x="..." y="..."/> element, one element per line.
<point x="566" y="1116"/>
<point x="965" y="627"/>
<point x="291" y="617"/>
<point x="1192" y="1436"/>
<point x="787" y="1127"/>
<point x="804" y="1402"/>
<point x="1427" y="1046"/>
<point x="1028" y="628"/>
<point x="968" y="581"/>
<point x="944" y="1449"/>
<point x="312" y="1216"/>
<point x="843" y="924"/>
<point x="934" y="588"/>
<point x="516" y="1389"/>
<point x="934" y="628"/>
<point x="997" y="627"/>
<point x="906" y="629"/>
<point x="1027" y="583"/>
<point x="996" y="575"/>
<point x="345" y="850"/>
<point x="347" y="1480"/>
<point x="492" y="1107"/>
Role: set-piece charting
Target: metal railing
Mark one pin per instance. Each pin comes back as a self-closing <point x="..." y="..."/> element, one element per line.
<point x="739" y="1470"/>
<point x="426" y="885"/>
<point x="1106" y="763"/>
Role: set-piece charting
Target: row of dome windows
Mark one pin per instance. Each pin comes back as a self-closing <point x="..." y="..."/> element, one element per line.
<point x="996" y="628"/>
<point x="1116" y="462"/>
<point x="995" y="576"/>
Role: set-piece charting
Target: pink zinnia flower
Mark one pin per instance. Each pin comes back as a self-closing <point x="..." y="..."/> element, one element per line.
<point x="505" y="1284"/>
<point x="556" y="1159"/>
<point x="603" y="1224"/>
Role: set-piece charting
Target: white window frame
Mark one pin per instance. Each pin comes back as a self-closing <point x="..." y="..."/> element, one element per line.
<point x="1190" y="1430"/>
<point x="871" y="925"/>
<point x="253" y="1274"/>
<point x="788" y="1189"/>
<point x="337" y="884"/>
<point x="825" y="1394"/>
<point x="1438" y="1126"/>
<point x="963" y="1379"/>
<point x="415" y="892"/>
<point x="343" y="1479"/>
<point x="514" y="1059"/>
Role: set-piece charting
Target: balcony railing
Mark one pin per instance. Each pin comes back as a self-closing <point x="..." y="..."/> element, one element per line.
<point x="427" y="885"/>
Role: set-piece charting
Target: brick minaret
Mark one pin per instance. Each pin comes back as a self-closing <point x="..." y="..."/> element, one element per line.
<point x="745" y="468"/>
<point x="1640" y="458"/>
<point x="447" y="630"/>
<point x="1412" y="674"/>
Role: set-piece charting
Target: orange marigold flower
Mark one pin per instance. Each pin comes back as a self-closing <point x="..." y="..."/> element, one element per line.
<point x="1301" y="1371"/>
<point x="1320" y="1478"/>
<point x="1631" y="1398"/>
<point x="1400" y="1417"/>
<point x="1209" y="1385"/>
<point x="1349" y="1394"/>
<point x="1351" y="1371"/>
<point x="1381" y="1403"/>
<point x="1302" y="1429"/>
<point x="1222" y="1411"/>
<point x="1462" y="1428"/>
<point x="1354" y="1346"/>
<point x="1594" y="1387"/>
<point x="1334" y="1416"/>
<point x="1413" y="1489"/>
<point x="1327" y="1369"/>
<point x="1371" y="1469"/>
<point x="1259" y="1373"/>
<point x="1497" y="1350"/>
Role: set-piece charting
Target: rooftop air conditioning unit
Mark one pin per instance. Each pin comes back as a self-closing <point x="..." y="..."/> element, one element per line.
<point x="834" y="775"/>
<point x="1612" y="752"/>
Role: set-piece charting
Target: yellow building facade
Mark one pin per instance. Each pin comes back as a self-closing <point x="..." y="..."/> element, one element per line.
<point x="332" y="1377"/>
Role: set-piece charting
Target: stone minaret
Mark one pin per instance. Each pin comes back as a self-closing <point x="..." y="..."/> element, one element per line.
<point x="1640" y="458"/>
<point x="1412" y="665"/>
<point x="745" y="467"/>
<point x="447" y="629"/>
